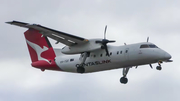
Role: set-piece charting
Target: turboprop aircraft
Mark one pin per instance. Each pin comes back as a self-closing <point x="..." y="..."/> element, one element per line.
<point x="81" y="55"/>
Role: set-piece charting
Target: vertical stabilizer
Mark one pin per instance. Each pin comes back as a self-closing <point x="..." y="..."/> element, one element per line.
<point x="40" y="50"/>
<point x="39" y="46"/>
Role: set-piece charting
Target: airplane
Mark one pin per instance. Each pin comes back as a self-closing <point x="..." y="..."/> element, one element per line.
<point x="81" y="55"/>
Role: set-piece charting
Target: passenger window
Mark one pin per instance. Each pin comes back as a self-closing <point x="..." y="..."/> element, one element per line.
<point x="117" y="52"/>
<point x="94" y="55"/>
<point x="144" y="46"/>
<point x="110" y="53"/>
<point x="121" y="52"/>
<point x="101" y="55"/>
<point x="71" y="59"/>
<point x="126" y="51"/>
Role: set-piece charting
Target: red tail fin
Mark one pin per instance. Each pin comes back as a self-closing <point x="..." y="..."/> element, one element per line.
<point x="40" y="50"/>
<point x="38" y="45"/>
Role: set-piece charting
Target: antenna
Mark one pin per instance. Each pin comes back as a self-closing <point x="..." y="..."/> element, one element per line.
<point x="147" y="39"/>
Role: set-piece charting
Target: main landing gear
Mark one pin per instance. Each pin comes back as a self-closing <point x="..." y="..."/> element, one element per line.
<point x="159" y="65"/>
<point x="83" y="57"/>
<point x="80" y="69"/>
<point x="123" y="79"/>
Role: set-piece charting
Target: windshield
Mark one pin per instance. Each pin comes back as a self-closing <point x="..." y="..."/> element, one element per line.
<point x="148" y="46"/>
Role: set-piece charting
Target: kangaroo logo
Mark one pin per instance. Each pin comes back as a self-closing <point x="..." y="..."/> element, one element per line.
<point x="38" y="50"/>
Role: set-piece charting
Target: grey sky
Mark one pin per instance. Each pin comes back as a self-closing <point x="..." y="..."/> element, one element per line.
<point x="129" y="21"/>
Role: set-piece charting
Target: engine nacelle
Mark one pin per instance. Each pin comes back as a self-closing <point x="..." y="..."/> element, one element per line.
<point x="89" y="46"/>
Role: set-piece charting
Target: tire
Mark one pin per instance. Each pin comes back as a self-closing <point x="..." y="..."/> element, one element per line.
<point x="80" y="69"/>
<point x="159" y="68"/>
<point x="123" y="80"/>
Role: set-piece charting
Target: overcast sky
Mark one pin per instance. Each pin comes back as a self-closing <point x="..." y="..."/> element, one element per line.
<point x="129" y="21"/>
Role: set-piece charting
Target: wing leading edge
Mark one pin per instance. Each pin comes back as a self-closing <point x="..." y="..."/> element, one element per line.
<point x="65" y="38"/>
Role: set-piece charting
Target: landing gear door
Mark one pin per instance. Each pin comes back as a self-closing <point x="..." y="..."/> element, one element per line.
<point x="126" y="54"/>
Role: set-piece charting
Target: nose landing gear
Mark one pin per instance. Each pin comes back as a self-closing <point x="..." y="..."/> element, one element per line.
<point x="159" y="67"/>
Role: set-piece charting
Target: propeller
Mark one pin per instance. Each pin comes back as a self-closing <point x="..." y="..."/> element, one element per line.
<point x="105" y="32"/>
<point x="105" y="41"/>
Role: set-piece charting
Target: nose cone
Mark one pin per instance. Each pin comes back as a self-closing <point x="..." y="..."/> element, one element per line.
<point x="167" y="56"/>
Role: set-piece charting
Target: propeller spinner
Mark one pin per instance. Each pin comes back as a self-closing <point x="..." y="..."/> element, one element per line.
<point x="105" y="41"/>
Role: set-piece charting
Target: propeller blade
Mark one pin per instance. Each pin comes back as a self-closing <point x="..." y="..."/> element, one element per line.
<point x="150" y="66"/>
<point x="105" y="32"/>
<point x="147" y="39"/>
<point x="111" y="41"/>
<point x="107" y="52"/>
<point x="105" y="41"/>
<point x="99" y="42"/>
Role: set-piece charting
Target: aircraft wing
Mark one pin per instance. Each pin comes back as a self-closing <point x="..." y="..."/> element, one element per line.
<point x="59" y="36"/>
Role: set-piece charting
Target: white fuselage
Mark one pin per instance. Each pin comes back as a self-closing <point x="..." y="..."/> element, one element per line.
<point x="120" y="56"/>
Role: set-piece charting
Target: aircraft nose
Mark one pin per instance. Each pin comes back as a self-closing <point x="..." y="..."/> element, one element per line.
<point x="167" y="56"/>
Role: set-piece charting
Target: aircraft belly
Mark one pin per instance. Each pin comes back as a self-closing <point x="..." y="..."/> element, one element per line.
<point x="90" y="65"/>
<point x="101" y="65"/>
<point x="68" y="66"/>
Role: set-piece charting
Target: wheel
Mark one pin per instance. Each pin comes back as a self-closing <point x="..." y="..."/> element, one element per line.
<point x="123" y="80"/>
<point x="158" y="67"/>
<point x="80" y="69"/>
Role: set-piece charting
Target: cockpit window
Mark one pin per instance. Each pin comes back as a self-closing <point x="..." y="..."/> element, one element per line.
<point x="148" y="46"/>
<point x="144" y="46"/>
<point x="153" y="46"/>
